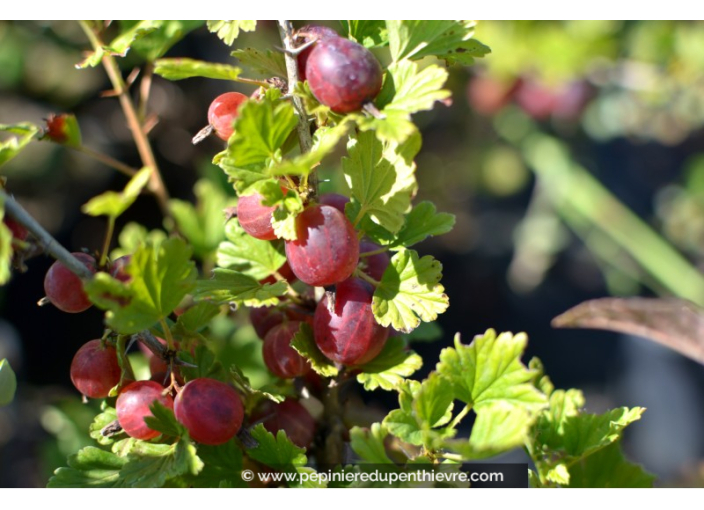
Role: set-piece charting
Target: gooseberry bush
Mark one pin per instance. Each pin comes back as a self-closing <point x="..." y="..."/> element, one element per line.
<point x="335" y="285"/>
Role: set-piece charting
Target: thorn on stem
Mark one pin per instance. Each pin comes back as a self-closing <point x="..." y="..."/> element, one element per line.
<point x="202" y="134"/>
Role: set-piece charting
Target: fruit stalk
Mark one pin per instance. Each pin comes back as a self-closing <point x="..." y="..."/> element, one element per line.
<point x="305" y="139"/>
<point x="46" y="240"/>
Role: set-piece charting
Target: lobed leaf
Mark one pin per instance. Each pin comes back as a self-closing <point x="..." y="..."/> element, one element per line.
<point x="267" y="62"/>
<point x="489" y="370"/>
<point x="248" y="255"/>
<point x="388" y="370"/>
<point x="160" y="278"/>
<point x="113" y="203"/>
<point x="229" y="30"/>
<point x="25" y="131"/>
<point x="304" y="343"/>
<point x="229" y="286"/>
<point x="409" y="292"/>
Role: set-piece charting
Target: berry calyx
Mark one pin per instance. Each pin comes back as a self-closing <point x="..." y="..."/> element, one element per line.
<point x="343" y="74"/>
<point x="118" y="269"/>
<point x="326" y="250"/>
<point x="211" y="410"/>
<point x="64" y="289"/>
<point x="132" y="407"/>
<point x="347" y="332"/>
<point x="223" y="111"/>
<point x="279" y="357"/>
<point x="95" y="369"/>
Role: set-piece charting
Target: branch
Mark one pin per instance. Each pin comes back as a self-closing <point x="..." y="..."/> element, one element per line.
<point x="156" y="184"/>
<point x="46" y="240"/>
<point x="305" y="139"/>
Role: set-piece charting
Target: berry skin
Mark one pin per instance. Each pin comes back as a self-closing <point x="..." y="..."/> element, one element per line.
<point x="133" y="406"/>
<point x="211" y="410"/>
<point x="18" y="231"/>
<point x="349" y="334"/>
<point x="95" y="369"/>
<point x="326" y="250"/>
<point x="374" y="265"/>
<point x="279" y="357"/>
<point x="336" y="200"/>
<point x="289" y="416"/>
<point x="223" y="111"/>
<point x="307" y="33"/>
<point x="264" y="319"/>
<point x="64" y="289"/>
<point x="343" y="75"/>
<point x="255" y="218"/>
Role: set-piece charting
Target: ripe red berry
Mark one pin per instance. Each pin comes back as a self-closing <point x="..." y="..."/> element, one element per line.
<point x="349" y="333"/>
<point x="343" y="74"/>
<point x="223" y="111"/>
<point x="64" y="289"/>
<point x="211" y="410"/>
<point x="336" y="200"/>
<point x="264" y="319"/>
<point x="132" y="407"/>
<point x="255" y="218"/>
<point x="306" y="34"/>
<point x="279" y="357"/>
<point x="373" y="265"/>
<point x="18" y="231"/>
<point x="326" y="250"/>
<point x="289" y="416"/>
<point x="95" y="369"/>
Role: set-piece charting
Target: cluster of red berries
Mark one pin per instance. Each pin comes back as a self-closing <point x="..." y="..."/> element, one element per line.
<point x="341" y="73"/>
<point x="325" y="253"/>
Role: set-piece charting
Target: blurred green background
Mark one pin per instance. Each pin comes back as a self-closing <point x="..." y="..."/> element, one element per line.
<point x="572" y="156"/>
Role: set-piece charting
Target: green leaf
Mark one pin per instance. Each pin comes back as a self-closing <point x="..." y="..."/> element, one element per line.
<point x="489" y="370"/>
<point x="450" y="40"/>
<point x="368" y="33"/>
<point x="368" y="443"/>
<point x="248" y="255"/>
<point x="608" y="468"/>
<point x="498" y="429"/>
<point x="409" y="89"/>
<point x="229" y="30"/>
<point x="25" y="131"/>
<point x="392" y="126"/>
<point x="160" y="278"/>
<point x="423" y="408"/>
<point x="133" y="235"/>
<point x="304" y="343"/>
<point x="203" y="224"/>
<point x="432" y="403"/>
<point x="8" y="383"/>
<point x="587" y="433"/>
<point x="261" y="130"/>
<point x="277" y="451"/>
<point x="151" y="465"/>
<point x="122" y="43"/>
<point x="229" y="286"/>
<point x="182" y="68"/>
<point x="409" y="292"/>
<point x="102" y="420"/>
<point x="222" y="463"/>
<point x="90" y="467"/>
<point x="197" y="317"/>
<point x="390" y="367"/>
<point x="113" y="203"/>
<point x="381" y="178"/>
<point x="422" y="222"/>
<point x="325" y="140"/>
<point x="267" y="62"/>
<point x="164" y="421"/>
<point x="288" y="207"/>
<point x="159" y="41"/>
